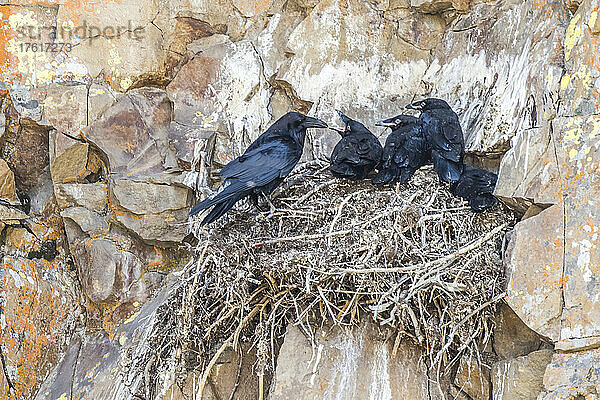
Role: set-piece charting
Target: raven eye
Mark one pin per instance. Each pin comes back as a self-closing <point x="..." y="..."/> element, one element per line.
<point x="397" y="122"/>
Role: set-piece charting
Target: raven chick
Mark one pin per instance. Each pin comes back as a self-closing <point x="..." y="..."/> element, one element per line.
<point x="405" y="150"/>
<point x="357" y="154"/>
<point x="263" y="166"/>
<point x="476" y="185"/>
<point x="442" y="130"/>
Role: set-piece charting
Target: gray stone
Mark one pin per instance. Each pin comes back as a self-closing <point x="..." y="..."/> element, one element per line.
<point x="271" y="43"/>
<point x="8" y="190"/>
<point x="185" y="139"/>
<point x="25" y="103"/>
<point x="93" y="196"/>
<point x="11" y="214"/>
<point x="217" y="13"/>
<point x="149" y="198"/>
<point x="40" y="307"/>
<point x="438" y="6"/>
<point x="352" y="364"/>
<point x="222" y="90"/>
<point x="166" y="227"/>
<point x="97" y="262"/>
<point x="123" y="59"/>
<point x="521" y="378"/>
<point x="473" y="379"/>
<point x="102" y="368"/>
<point x="579" y="85"/>
<point x="65" y="108"/>
<point x="42" y="195"/>
<point x="106" y="272"/>
<point x="499" y="67"/>
<point x="100" y="99"/>
<point x="534" y="268"/>
<point x="89" y="221"/>
<point x="70" y="166"/>
<point x="129" y="147"/>
<point x="367" y="73"/>
<point x="223" y="378"/>
<point x="572" y="376"/>
<point x="157" y="113"/>
<point x="512" y="338"/>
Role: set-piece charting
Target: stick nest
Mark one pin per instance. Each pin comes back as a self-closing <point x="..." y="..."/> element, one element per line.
<point x="412" y="257"/>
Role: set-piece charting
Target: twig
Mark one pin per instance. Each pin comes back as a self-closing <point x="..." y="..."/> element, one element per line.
<point x="455" y="328"/>
<point x="304" y="237"/>
<point x="338" y="214"/>
<point x="443" y="260"/>
<point x="313" y="191"/>
<point x="228" y="343"/>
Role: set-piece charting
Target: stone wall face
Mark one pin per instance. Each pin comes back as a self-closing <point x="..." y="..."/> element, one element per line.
<point x="107" y="139"/>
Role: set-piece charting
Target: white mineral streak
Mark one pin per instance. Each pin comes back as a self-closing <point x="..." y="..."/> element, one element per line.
<point x="380" y="386"/>
<point x="343" y="376"/>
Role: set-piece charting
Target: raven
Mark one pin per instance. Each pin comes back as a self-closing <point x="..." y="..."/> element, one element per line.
<point x="405" y="150"/>
<point x="476" y="185"/>
<point x="262" y="167"/>
<point x="357" y="154"/>
<point x="442" y="131"/>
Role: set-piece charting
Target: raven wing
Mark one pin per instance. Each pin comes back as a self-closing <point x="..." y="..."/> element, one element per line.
<point x="444" y="134"/>
<point x="475" y="181"/>
<point x="274" y="159"/>
<point x="392" y="152"/>
<point x="367" y="148"/>
<point x="345" y="151"/>
<point x="261" y="166"/>
<point x="417" y="152"/>
<point x="483" y="181"/>
<point x="451" y="129"/>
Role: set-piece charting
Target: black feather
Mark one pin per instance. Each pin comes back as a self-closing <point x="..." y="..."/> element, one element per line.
<point x="441" y="128"/>
<point x="357" y="153"/>
<point x="477" y="186"/>
<point x="262" y="167"/>
<point x="405" y="151"/>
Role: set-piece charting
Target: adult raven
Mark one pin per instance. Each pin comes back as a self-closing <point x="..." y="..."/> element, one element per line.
<point x="264" y="165"/>
<point x="442" y="131"/>
<point x="476" y="185"/>
<point x="357" y="154"/>
<point x="405" y="150"/>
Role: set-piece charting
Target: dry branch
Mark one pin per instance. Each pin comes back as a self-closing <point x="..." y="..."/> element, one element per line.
<point x="413" y="258"/>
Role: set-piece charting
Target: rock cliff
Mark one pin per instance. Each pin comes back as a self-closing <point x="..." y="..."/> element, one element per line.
<point x="115" y="115"/>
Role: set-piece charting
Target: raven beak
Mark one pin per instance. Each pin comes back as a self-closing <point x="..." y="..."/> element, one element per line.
<point x="311" y="122"/>
<point x="385" y="123"/>
<point x="416" y="106"/>
<point x="343" y="117"/>
<point x="338" y="130"/>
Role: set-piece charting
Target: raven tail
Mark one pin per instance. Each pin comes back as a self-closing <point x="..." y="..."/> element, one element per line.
<point x="229" y="189"/>
<point x="447" y="170"/>
<point x="483" y="202"/>
<point x="406" y="174"/>
<point x="220" y="209"/>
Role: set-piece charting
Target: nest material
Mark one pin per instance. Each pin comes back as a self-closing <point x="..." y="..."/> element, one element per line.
<point x="411" y="257"/>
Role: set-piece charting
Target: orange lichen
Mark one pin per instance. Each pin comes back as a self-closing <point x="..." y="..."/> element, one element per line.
<point x="7" y="60"/>
<point x="36" y="315"/>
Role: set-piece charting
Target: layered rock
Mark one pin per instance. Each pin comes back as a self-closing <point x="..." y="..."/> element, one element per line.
<point x="96" y="365"/>
<point x="521" y="378"/>
<point x="40" y="310"/>
<point x="123" y="127"/>
<point x="349" y="364"/>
